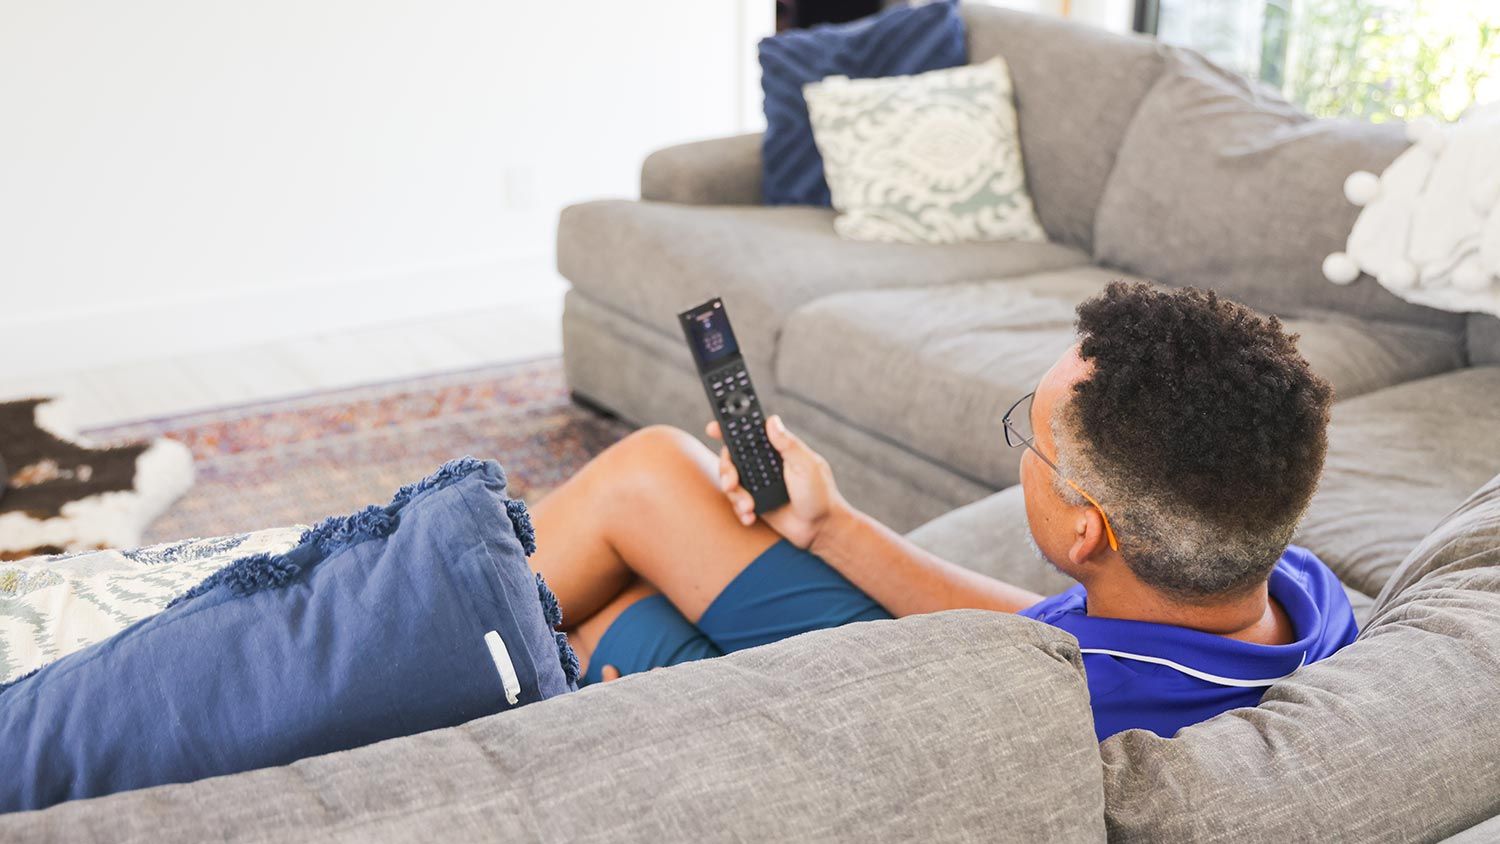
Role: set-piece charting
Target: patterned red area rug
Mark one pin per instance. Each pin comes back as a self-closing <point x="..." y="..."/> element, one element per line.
<point x="297" y="460"/>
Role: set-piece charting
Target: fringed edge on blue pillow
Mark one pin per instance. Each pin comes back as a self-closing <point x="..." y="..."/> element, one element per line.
<point x="521" y="521"/>
<point x="246" y="575"/>
<point x="453" y="470"/>
<point x="552" y="614"/>
<point x="251" y="574"/>
<point x="551" y="609"/>
<point x="567" y="657"/>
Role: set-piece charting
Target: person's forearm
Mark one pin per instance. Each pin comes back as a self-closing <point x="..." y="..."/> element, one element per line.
<point x="904" y="578"/>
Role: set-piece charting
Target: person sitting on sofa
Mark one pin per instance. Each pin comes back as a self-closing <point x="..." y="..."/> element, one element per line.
<point x="1168" y="456"/>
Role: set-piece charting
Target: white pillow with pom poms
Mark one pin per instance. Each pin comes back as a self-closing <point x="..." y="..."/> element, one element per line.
<point x="1430" y="228"/>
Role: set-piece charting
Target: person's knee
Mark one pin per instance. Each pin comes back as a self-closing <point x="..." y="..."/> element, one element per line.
<point x="657" y="461"/>
<point x="656" y="447"/>
<point x="664" y="437"/>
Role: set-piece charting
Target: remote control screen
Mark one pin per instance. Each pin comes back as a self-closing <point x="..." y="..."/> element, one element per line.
<point x="713" y="340"/>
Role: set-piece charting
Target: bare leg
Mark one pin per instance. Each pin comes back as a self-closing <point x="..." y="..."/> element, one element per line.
<point x="649" y="507"/>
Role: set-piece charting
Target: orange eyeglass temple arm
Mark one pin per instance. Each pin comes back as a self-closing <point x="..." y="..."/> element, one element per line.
<point x="1109" y="532"/>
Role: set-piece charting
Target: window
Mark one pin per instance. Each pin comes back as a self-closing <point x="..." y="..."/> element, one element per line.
<point x="1370" y="59"/>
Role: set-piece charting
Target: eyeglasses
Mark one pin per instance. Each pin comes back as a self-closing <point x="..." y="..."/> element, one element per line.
<point x="1018" y="434"/>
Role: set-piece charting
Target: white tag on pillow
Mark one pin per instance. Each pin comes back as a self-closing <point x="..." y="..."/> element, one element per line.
<point x="507" y="669"/>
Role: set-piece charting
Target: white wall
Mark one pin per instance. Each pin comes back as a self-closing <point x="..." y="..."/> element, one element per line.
<point x="178" y="175"/>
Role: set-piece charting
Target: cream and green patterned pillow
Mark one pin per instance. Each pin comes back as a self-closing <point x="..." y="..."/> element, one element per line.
<point x="53" y="606"/>
<point x="931" y="158"/>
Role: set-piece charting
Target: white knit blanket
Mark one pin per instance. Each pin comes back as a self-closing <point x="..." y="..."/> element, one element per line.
<point x="1430" y="228"/>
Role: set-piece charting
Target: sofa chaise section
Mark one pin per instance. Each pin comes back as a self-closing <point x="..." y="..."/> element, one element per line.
<point x="1399" y="460"/>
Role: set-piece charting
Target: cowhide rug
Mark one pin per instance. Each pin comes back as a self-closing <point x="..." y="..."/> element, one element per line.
<point x="62" y="494"/>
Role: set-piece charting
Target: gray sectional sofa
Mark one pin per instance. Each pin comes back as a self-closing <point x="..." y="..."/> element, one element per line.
<point x="896" y="363"/>
<point x="897" y="360"/>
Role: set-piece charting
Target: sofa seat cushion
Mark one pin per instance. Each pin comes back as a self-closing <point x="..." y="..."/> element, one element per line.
<point x="1392" y="738"/>
<point x="1360" y="356"/>
<point x="1398" y="461"/>
<point x="944" y="727"/>
<point x="651" y="260"/>
<point x="991" y="536"/>
<point x="934" y="368"/>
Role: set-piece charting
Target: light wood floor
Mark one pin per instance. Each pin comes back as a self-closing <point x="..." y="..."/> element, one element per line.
<point x="120" y="393"/>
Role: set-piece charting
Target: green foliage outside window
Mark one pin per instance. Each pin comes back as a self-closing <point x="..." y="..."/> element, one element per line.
<point x="1370" y="59"/>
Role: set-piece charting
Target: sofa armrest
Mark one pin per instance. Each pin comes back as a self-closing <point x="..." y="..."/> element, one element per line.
<point x="954" y="726"/>
<point x="720" y="171"/>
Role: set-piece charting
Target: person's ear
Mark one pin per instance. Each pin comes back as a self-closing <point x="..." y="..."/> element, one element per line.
<point x="1089" y="536"/>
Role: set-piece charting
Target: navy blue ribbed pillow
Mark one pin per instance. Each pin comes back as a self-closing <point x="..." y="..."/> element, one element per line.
<point x="395" y="620"/>
<point x="899" y="41"/>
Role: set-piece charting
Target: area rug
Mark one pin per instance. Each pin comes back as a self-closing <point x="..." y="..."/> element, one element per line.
<point x="297" y="460"/>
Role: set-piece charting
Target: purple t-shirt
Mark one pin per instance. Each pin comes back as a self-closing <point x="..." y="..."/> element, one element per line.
<point x="1162" y="678"/>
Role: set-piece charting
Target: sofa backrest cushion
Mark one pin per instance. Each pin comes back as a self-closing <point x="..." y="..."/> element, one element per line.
<point x="1077" y="88"/>
<point x="1391" y="739"/>
<point x="1221" y="184"/>
<point x="963" y="725"/>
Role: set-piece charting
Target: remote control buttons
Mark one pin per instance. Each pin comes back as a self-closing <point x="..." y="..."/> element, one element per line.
<point x="744" y="429"/>
<point x="737" y="403"/>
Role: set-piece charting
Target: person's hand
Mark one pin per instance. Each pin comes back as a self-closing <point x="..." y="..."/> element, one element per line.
<point x="811" y="493"/>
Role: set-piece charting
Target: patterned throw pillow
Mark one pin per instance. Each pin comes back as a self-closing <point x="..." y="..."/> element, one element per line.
<point x="53" y="606"/>
<point x="932" y="158"/>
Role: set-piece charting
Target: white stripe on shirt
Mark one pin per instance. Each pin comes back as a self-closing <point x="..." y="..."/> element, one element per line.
<point x="1193" y="672"/>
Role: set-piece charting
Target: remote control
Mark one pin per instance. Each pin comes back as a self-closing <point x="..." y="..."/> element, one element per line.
<point x="742" y="424"/>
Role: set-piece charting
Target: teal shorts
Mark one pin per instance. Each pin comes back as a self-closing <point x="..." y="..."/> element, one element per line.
<point x="784" y="591"/>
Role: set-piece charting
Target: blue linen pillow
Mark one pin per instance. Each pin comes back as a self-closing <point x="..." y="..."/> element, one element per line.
<point x="374" y="626"/>
<point x="899" y="41"/>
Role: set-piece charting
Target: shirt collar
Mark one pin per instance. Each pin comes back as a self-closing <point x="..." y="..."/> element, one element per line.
<point x="1207" y="656"/>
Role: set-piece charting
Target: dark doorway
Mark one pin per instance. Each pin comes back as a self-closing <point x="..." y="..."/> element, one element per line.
<point x="796" y="14"/>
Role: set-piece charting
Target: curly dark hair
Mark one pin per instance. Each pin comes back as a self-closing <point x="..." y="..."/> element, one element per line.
<point x="1205" y="429"/>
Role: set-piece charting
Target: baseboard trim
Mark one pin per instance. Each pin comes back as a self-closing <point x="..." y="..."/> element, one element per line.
<point x="196" y="323"/>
